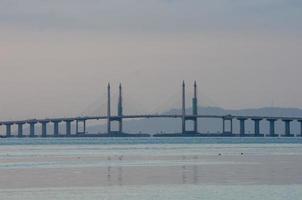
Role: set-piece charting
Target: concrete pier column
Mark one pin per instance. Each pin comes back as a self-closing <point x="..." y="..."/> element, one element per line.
<point x="77" y="127"/>
<point x="120" y="109"/>
<point x="108" y="110"/>
<point x="32" y="129"/>
<point x="84" y="126"/>
<point x="287" y="127"/>
<point x="272" y="128"/>
<point x="195" y="108"/>
<point x="183" y="107"/>
<point x="8" y="129"/>
<point x="195" y="125"/>
<point x="56" y="128"/>
<point x="44" y="128"/>
<point x="242" y="126"/>
<point x="20" y="129"/>
<point x="68" y="127"/>
<point x="78" y="132"/>
<point x="257" y="126"/>
<point x="120" y="128"/>
<point x="230" y="119"/>
<point x="300" y="121"/>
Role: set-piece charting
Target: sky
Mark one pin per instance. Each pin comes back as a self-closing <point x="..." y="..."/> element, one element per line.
<point x="57" y="56"/>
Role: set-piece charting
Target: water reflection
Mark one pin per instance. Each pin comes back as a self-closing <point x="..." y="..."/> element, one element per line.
<point x="120" y="176"/>
<point x="120" y="171"/>
<point x="114" y="173"/>
<point x="109" y="175"/>
<point x="195" y="174"/>
<point x="109" y="172"/>
<point x="184" y="175"/>
<point x="184" y="171"/>
<point x="189" y="173"/>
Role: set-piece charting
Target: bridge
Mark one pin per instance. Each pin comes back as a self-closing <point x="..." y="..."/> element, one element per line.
<point x="120" y="117"/>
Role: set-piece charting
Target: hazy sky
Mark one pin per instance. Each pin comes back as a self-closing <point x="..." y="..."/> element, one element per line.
<point x="56" y="56"/>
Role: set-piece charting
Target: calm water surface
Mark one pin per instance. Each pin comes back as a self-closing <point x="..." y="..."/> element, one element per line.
<point x="151" y="168"/>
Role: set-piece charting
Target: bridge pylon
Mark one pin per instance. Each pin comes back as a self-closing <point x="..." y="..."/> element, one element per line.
<point x="194" y="115"/>
<point x="119" y="116"/>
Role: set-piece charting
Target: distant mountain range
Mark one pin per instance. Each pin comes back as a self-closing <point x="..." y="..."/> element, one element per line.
<point x="208" y="125"/>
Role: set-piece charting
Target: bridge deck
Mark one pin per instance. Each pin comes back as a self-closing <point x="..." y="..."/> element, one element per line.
<point x="146" y="116"/>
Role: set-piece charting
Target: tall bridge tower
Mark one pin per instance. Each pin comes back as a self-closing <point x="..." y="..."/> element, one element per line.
<point x="108" y="109"/>
<point x="119" y="117"/>
<point x="120" y="109"/>
<point x="186" y="118"/>
<point x="195" y="107"/>
<point x="183" y="107"/>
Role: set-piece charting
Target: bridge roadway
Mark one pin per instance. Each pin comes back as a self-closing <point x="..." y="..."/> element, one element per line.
<point x="83" y="119"/>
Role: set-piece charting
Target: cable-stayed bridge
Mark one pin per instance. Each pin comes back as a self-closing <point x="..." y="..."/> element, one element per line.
<point x="80" y="122"/>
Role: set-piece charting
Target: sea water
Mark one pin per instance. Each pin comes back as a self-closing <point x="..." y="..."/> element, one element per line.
<point x="151" y="168"/>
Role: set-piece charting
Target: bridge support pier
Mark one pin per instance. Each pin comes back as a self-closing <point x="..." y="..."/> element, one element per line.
<point x="195" y="127"/>
<point x="108" y="109"/>
<point x="8" y="129"/>
<point x="120" y="126"/>
<point x="44" y="128"/>
<point x="32" y="129"/>
<point x="194" y="111"/>
<point x="272" y="128"/>
<point x="300" y="121"/>
<point x="77" y="126"/>
<point x="195" y="121"/>
<point x="20" y="129"/>
<point x="224" y="120"/>
<point x="195" y="108"/>
<point x="56" y="128"/>
<point x="257" y="126"/>
<point x="120" y="109"/>
<point x="68" y="127"/>
<point x="119" y="117"/>
<point x="287" y="127"/>
<point x="183" y="107"/>
<point x="242" y="126"/>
